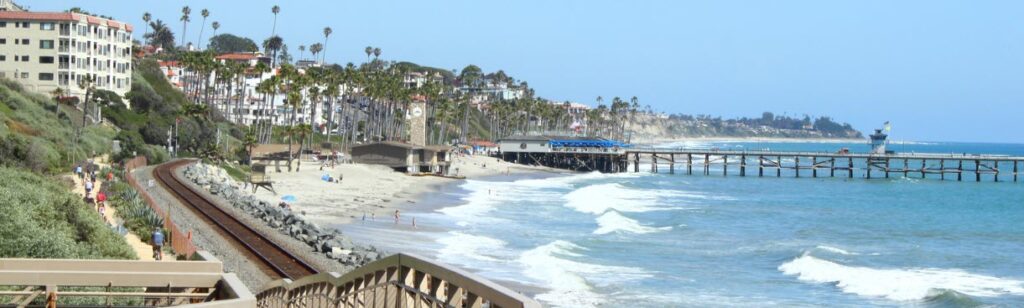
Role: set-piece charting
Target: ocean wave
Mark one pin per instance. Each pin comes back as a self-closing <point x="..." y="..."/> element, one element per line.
<point x="565" y="278"/>
<point x="836" y="250"/>
<point x="612" y="221"/>
<point x="899" y="284"/>
<point x="461" y="248"/>
<point x="598" y="199"/>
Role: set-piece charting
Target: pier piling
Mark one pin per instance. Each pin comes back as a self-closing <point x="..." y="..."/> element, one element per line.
<point x="760" y="166"/>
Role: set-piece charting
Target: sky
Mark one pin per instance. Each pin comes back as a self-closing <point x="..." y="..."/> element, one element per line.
<point x="938" y="70"/>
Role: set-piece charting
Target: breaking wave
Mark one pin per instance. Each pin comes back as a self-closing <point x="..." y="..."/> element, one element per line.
<point x="569" y="282"/>
<point x="899" y="284"/>
<point x="612" y="221"/>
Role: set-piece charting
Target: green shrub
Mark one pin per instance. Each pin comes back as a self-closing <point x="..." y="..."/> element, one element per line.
<point x="41" y="219"/>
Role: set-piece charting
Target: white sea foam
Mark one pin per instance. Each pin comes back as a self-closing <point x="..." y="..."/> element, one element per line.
<point x="460" y="248"/>
<point x="612" y="221"/>
<point x="565" y="278"/>
<point x="898" y="284"/>
<point x="836" y="250"/>
<point x="597" y="199"/>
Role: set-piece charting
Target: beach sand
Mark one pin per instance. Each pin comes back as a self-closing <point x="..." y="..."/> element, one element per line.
<point x="371" y="190"/>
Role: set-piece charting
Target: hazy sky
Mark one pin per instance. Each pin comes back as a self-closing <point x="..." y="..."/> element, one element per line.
<point x="939" y="70"/>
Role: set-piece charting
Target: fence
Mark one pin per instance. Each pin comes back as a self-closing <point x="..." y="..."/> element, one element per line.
<point x="401" y="280"/>
<point x="181" y="242"/>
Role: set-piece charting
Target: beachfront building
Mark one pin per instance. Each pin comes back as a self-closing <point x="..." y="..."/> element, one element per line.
<point x="565" y="152"/>
<point x="45" y="51"/>
<point x="404" y="157"/>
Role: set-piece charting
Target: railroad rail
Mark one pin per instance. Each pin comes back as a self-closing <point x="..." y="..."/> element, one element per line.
<point x="258" y="248"/>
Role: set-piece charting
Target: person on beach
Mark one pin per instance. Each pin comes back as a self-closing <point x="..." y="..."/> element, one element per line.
<point x="398" y="216"/>
<point x="157" y="241"/>
<point x="414" y="222"/>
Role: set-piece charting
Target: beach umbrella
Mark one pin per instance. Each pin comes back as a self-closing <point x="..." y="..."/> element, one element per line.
<point x="288" y="198"/>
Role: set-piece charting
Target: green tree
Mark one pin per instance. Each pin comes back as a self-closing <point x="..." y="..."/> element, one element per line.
<point x="227" y="43"/>
<point x="161" y="35"/>
<point x="205" y="13"/>
<point x="185" y="12"/>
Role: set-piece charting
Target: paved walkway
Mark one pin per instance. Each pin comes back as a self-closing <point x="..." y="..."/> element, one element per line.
<point x="142" y="249"/>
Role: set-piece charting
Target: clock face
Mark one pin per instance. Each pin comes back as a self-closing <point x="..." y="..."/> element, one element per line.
<point x="416" y="112"/>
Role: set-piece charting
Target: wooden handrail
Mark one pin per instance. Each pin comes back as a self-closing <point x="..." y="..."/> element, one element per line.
<point x="401" y="279"/>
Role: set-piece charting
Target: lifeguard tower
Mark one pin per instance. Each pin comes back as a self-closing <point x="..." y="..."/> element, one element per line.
<point x="878" y="142"/>
<point x="259" y="178"/>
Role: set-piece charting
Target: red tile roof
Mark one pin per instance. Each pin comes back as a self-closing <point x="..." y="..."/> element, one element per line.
<point x="237" y="56"/>
<point x="38" y="16"/>
<point x="62" y="16"/>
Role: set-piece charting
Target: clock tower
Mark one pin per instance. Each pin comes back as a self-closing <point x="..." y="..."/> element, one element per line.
<point x="418" y="123"/>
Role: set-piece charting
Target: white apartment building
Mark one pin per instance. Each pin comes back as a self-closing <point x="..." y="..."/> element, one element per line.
<point x="45" y="51"/>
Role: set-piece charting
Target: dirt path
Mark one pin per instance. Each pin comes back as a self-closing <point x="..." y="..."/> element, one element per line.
<point x="142" y="249"/>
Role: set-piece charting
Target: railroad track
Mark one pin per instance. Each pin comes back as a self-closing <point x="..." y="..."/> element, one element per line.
<point x="259" y="248"/>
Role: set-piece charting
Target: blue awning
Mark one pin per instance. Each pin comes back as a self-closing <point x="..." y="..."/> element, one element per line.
<point x="588" y="143"/>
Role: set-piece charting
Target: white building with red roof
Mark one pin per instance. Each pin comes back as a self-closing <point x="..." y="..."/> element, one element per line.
<point x="46" y="51"/>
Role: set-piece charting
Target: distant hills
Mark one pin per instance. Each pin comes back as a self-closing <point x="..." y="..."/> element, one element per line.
<point x="769" y="125"/>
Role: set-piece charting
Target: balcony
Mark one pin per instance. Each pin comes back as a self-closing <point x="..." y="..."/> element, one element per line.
<point x="64" y="49"/>
<point x="64" y="65"/>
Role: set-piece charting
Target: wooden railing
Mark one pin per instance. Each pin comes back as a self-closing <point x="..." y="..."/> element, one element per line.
<point x="38" y="282"/>
<point x="180" y="242"/>
<point x="401" y="280"/>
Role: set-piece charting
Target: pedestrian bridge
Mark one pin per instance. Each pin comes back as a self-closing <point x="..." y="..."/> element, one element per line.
<point x="401" y="280"/>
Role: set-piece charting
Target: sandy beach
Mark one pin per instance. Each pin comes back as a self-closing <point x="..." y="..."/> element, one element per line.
<point x="372" y="190"/>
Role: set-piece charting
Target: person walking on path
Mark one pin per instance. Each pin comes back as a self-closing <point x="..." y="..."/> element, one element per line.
<point x="158" y="244"/>
<point x="78" y="172"/>
<point x="88" y="188"/>
<point x="101" y="198"/>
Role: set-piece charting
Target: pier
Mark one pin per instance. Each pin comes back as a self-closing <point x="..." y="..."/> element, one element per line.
<point x="822" y="164"/>
<point x="595" y="154"/>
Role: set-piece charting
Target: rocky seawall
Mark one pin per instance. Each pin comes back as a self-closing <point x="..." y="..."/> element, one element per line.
<point x="331" y="243"/>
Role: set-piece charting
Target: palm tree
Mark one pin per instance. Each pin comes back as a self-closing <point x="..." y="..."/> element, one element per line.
<point x="369" y="51"/>
<point x="315" y="49"/>
<point x="302" y="51"/>
<point x="185" y="11"/>
<point x="272" y="45"/>
<point x="249" y="142"/>
<point x="205" y="13"/>
<point x="145" y="21"/>
<point x="376" y="53"/>
<point x="327" y="33"/>
<point x="161" y="35"/>
<point x="276" y="9"/>
<point x="215" y="25"/>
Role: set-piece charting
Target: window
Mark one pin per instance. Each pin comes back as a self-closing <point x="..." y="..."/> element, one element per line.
<point x="25" y="41"/>
<point x="45" y="76"/>
<point x="3" y="41"/>
<point x="46" y="60"/>
<point x="24" y="25"/>
<point x="24" y="59"/>
<point x="24" y="75"/>
<point x="3" y="24"/>
<point x="46" y="26"/>
<point x="3" y="58"/>
<point x="46" y="44"/>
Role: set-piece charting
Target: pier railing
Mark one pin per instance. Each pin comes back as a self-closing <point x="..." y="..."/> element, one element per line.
<point x="401" y="280"/>
<point x="984" y="165"/>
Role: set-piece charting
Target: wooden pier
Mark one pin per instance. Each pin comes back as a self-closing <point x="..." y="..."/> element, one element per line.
<point x="822" y="164"/>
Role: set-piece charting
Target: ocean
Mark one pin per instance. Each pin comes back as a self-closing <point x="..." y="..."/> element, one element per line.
<point x="661" y="240"/>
